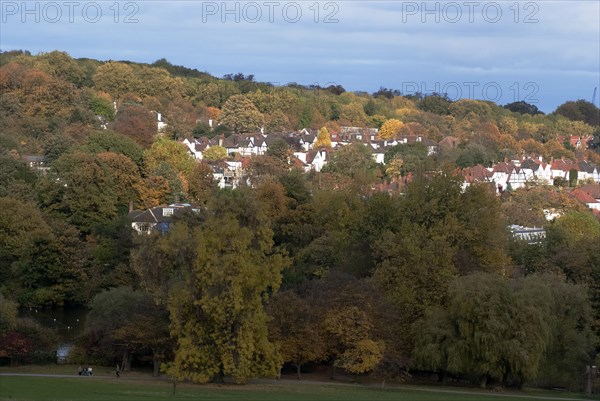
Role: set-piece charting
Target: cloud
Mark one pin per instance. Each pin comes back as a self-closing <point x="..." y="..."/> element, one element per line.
<point x="360" y="44"/>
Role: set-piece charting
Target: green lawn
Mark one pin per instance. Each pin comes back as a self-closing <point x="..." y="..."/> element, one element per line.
<point x="104" y="388"/>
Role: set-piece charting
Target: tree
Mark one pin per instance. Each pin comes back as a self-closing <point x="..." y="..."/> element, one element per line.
<point x="277" y="122"/>
<point x="123" y="322"/>
<point x="115" y="78"/>
<point x="390" y="129"/>
<point x="523" y="107"/>
<point x="125" y="175"/>
<point x="323" y="139"/>
<point x="14" y="173"/>
<point x="493" y="329"/>
<point x="240" y="115"/>
<point x="137" y="123"/>
<point x="279" y="149"/>
<point x="580" y="110"/>
<point x="214" y="153"/>
<point x="572" y="341"/>
<point x="169" y="152"/>
<point x="352" y="165"/>
<point x="201" y="183"/>
<point x="295" y="328"/>
<point x="511" y="330"/>
<point x="435" y="103"/>
<point x="60" y="65"/>
<point x="202" y="129"/>
<point x="81" y="188"/>
<point x="27" y="342"/>
<point x="109" y="141"/>
<point x="101" y="106"/>
<point x="472" y="155"/>
<point x="215" y="282"/>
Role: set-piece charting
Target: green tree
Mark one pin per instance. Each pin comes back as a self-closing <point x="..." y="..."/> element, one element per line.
<point x="123" y="322"/>
<point x="352" y="165"/>
<point x="102" y="107"/>
<point x="202" y="129"/>
<point x="109" y="141"/>
<point x="435" y="103"/>
<point x="493" y="329"/>
<point x="37" y="265"/>
<point x="279" y="149"/>
<point x="240" y="115"/>
<point x="580" y="110"/>
<point x="214" y="153"/>
<point x="81" y="188"/>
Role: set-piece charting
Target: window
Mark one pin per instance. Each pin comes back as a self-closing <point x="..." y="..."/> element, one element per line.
<point x="168" y="211"/>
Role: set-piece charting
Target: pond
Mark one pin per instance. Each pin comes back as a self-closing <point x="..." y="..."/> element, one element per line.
<point x="68" y="323"/>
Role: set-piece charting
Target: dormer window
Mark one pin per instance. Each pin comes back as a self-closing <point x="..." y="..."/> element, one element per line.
<point x="168" y="211"/>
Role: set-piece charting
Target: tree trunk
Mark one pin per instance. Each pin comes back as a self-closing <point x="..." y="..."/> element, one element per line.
<point x="483" y="382"/>
<point x="126" y="362"/>
<point x="298" y="370"/>
<point x="333" y="370"/>
<point x="442" y="377"/>
<point x="156" y="364"/>
<point x="156" y="359"/>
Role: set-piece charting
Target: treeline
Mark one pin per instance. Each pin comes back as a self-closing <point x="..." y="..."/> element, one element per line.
<point x="301" y="268"/>
<point x="53" y="98"/>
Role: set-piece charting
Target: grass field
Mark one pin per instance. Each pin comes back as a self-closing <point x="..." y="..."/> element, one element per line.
<point x="133" y="389"/>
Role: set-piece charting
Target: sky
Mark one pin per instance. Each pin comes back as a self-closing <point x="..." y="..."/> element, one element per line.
<point x="543" y="52"/>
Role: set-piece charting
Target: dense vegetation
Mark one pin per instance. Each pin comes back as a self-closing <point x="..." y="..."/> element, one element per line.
<point x="299" y="268"/>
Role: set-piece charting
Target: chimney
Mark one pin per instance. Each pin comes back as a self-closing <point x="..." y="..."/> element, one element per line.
<point x="210" y="123"/>
<point x="221" y="139"/>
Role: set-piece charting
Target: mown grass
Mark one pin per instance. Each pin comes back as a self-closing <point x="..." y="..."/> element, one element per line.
<point x="127" y="389"/>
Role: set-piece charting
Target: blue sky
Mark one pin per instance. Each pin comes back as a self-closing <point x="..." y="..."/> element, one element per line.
<point x="542" y="52"/>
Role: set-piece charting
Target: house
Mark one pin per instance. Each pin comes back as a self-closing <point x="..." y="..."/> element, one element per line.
<point x="157" y="218"/>
<point x="532" y="235"/>
<point x="588" y="195"/>
<point x="161" y="125"/>
<point x="228" y="174"/>
<point x="476" y="174"/>
<point x="307" y="139"/>
<point x="37" y="163"/>
<point x="506" y="175"/>
<point x="537" y="170"/>
<point x="378" y="153"/>
<point x="432" y="146"/>
<point x="357" y="134"/>
<point x="449" y="142"/>
<point x="588" y="171"/>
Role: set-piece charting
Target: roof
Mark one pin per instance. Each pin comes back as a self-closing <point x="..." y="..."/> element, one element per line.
<point x="591" y="189"/>
<point x="476" y="173"/>
<point x="582" y="196"/>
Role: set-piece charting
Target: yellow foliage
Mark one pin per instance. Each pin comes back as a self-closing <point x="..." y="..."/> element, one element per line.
<point x="323" y="139"/>
<point x="390" y="128"/>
